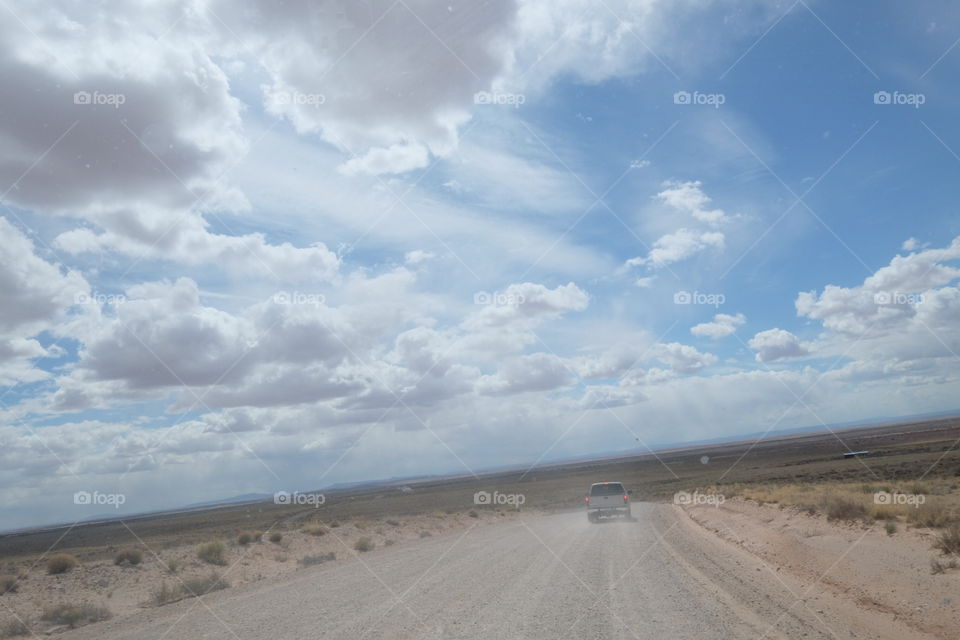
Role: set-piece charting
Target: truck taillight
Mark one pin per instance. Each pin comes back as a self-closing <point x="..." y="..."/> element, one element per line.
<point x="624" y="497"/>
<point x="587" y="498"/>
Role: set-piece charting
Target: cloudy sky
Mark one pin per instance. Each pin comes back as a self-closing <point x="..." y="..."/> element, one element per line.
<point x="252" y="246"/>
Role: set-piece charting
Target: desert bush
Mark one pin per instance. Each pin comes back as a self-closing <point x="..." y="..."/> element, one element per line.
<point x="132" y="557"/>
<point x="936" y="567"/>
<point x="214" y="552"/>
<point x="60" y="563"/>
<point x="276" y="537"/>
<point x="393" y="523"/>
<point x="361" y="524"/>
<point x="8" y="584"/>
<point x="309" y="561"/>
<point x="883" y="512"/>
<point x="473" y="514"/>
<point x="948" y="542"/>
<point x="245" y="538"/>
<point x="364" y="544"/>
<point x="334" y="524"/>
<point x="316" y="530"/>
<point x="839" y="508"/>
<point x="75" y="615"/>
<point x="203" y="585"/>
<point x="165" y="594"/>
<point x="258" y="536"/>
<point x="171" y="566"/>
<point x="890" y="527"/>
<point x="389" y="542"/>
<point x="929" y="514"/>
<point x="14" y="628"/>
<point x="425" y="534"/>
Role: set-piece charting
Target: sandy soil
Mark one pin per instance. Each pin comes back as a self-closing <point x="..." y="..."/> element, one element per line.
<point x="889" y="574"/>
<point x="127" y="589"/>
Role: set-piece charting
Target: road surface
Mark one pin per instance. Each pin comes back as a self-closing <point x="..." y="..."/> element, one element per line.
<point x="539" y="577"/>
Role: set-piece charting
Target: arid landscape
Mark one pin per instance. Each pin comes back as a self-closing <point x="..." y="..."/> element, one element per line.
<point x="795" y="503"/>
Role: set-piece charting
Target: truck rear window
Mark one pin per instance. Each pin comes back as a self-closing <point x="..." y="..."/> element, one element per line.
<point x="612" y="489"/>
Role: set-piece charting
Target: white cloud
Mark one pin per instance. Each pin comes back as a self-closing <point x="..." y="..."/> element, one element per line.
<point x="534" y="372"/>
<point x="682" y="358"/>
<point x="777" y="344"/>
<point x="688" y="198"/>
<point x="679" y="245"/>
<point x="723" y="325"/>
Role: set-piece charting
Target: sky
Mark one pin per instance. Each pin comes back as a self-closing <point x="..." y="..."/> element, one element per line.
<point x="258" y="246"/>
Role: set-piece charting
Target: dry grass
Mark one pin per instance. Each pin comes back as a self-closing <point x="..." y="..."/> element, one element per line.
<point x="214" y="552"/>
<point x="316" y="530"/>
<point x="8" y="584"/>
<point x="364" y="544"/>
<point x="14" y="628"/>
<point x="60" y="563"/>
<point x="245" y="538"/>
<point x="309" y="561"/>
<point x="855" y="500"/>
<point x="189" y="588"/>
<point x="75" y="615"/>
<point x="948" y="542"/>
<point x="132" y="557"/>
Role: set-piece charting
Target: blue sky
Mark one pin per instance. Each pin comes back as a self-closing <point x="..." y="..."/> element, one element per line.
<point x="280" y="248"/>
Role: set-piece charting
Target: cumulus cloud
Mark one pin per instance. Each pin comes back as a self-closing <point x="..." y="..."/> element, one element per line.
<point x="723" y="325"/>
<point x="687" y="197"/>
<point x="534" y="372"/>
<point x="777" y="344"/>
<point x="35" y="296"/>
<point x="886" y="299"/>
<point x="682" y="358"/>
<point x="679" y="245"/>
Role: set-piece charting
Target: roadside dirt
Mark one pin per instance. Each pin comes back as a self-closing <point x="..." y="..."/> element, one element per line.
<point x="126" y="589"/>
<point x="889" y="575"/>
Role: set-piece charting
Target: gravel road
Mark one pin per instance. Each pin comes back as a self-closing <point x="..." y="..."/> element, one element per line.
<point x="549" y="577"/>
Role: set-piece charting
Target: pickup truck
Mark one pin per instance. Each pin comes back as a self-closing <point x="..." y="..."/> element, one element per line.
<point x="607" y="499"/>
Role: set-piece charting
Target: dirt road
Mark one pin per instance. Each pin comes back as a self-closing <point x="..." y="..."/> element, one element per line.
<point x="550" y="577"/>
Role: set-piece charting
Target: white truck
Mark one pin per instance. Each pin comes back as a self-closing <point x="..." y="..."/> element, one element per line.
<point x="607" y="499"/>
